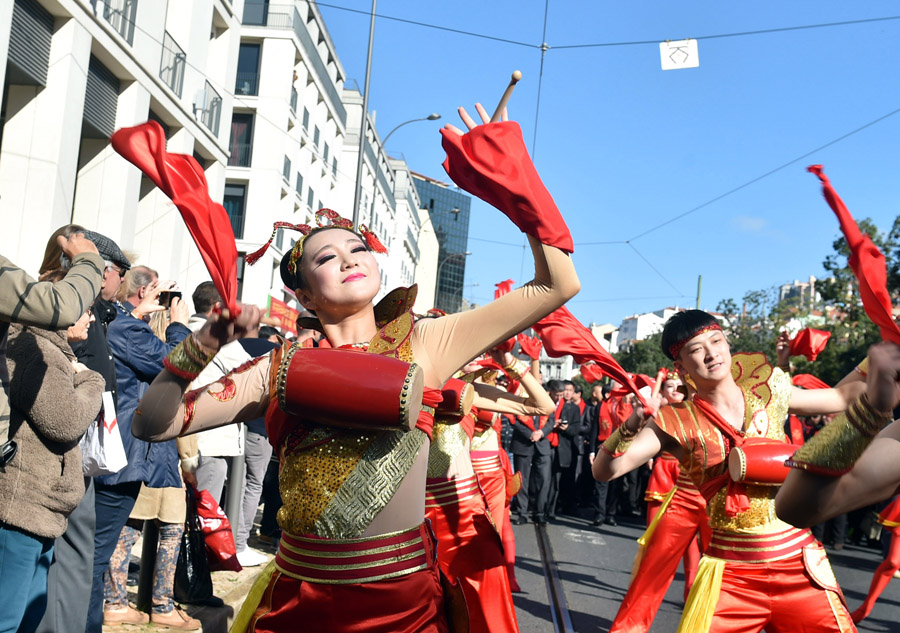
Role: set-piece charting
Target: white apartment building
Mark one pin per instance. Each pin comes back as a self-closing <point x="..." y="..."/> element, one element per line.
<point x="637" y="327"/>
<point x="607" y="334"/>
<point x="76" y="70"/>
<point x="287" y="131"/>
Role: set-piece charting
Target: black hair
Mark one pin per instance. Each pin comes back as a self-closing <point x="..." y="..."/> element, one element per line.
<point x="683" y="326"/>
<point x="607" y="388"/>
<point x="265" y="331"/>
<point x="205" y="297"/>
<point x="579" y="389"/>
<point x="295" y="280"/>
<point x="555" y="385"/>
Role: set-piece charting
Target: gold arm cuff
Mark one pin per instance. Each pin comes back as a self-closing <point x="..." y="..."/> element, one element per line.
<point x="517" y="369"/>
<point x="188" y="358"/>
<point x="617" y="443"/>
<point x="834" y="449"/>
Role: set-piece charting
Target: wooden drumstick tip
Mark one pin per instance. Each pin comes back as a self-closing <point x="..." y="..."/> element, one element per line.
<point x="516" y="76"/>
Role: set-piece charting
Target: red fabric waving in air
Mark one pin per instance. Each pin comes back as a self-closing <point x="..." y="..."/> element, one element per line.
<point x="809" y="342"/>
<point x="491" y="162"/>
<point x="562" y="335"/>
<point x="866" y="261"/>
<point x="182" y="179"/>
<point x="808" y="381"/>
<point x="531" y="345"/>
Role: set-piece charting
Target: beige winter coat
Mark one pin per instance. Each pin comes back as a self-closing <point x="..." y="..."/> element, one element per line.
<point x="51" y="407"/>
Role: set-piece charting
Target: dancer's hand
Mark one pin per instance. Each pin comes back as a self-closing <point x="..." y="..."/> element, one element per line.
<point x="470" y="122"/>
<point x="219" y="331"/>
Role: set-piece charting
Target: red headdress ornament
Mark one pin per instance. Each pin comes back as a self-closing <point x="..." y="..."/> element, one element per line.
<point x="325" y="218"/>
<point x="676" y="347"/>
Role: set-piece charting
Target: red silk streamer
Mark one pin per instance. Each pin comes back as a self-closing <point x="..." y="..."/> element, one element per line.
<point x="503" y="288"/>
<point x="181" y="178"/>
<point x="491" y="162"/>
<point x="591" y="373"/>
<point x="531" y="345"/>
<point x="640" y="381"/>
<point x="562" y="335"/>
<point x="809" y="342"/>
<point x="808" y="381"/>
<point x="866" y="261"/>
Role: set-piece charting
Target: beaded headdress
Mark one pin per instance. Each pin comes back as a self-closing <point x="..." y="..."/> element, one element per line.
<point x="325" y="219"/>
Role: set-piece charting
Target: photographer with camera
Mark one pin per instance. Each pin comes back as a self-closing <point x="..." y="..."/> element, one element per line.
<point x="139" y="356"/>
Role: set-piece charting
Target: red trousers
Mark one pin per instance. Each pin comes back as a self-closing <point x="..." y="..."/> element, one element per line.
<point x="779" y="596"/>
<point x="492" y="477"/>
<point x="675" y="534"/>
<point x="469" y="552"/>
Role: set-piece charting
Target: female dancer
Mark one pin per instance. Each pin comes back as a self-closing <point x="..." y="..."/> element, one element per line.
<point x="358" y="494"/>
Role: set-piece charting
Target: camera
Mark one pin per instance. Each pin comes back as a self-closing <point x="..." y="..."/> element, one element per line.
<point x="165" y="297"/>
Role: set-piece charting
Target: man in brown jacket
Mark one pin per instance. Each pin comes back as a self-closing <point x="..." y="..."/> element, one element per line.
<point x="46" y="305"/>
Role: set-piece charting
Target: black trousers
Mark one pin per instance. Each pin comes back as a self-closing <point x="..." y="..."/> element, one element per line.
<point x="535" y="471"/>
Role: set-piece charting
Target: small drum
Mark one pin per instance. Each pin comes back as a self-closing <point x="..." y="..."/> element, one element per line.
<point x="348" y="388"/>
<point x="458" y="396"/>
<point x="760" y="461"/>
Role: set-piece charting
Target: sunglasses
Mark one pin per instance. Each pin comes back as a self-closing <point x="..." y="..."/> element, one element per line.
<point x="115" y="268"/>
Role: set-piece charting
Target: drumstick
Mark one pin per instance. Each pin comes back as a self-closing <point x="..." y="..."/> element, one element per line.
<point x="516" y="76"/>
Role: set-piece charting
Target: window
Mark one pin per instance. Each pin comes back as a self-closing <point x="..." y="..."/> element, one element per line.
<point x="316" y="137"/>
<point x="279" y="239"/>
<point x="171" y="67"/>
<point x="234" y="202"/>
<point x="305" y="118"/>
<point x="334" y="169"/>
<point x="299" y="184"/>
<point x="247" y="81"/>
<point x="241" y="139"/>
<point x="286" y="172"/>
<point x="310" y="197"/>
<point x="325" y="153"/>
<point x="240" y="274"/>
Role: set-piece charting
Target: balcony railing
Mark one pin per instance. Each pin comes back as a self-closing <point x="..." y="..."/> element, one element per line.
<point x="210" y="108"/>
<point x="246" y="83"/>
<point x="286" y="16"/>
<point x="294" y="100"/>
<point x="171" y="68"/>
<point x="121" y="15"/>
<point x="240" y="155"/>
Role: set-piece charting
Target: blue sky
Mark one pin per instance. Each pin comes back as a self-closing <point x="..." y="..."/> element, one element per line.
<point x="624" y="146"/>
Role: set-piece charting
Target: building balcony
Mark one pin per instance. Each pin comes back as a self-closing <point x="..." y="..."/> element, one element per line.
<point x="246" y="84"/>
<point x="286" y="16"/>
<point x="171" y="67"/>
<point x="209" y="109"/>
<point x="121" y="15"/>
<point x="240" y="154"/>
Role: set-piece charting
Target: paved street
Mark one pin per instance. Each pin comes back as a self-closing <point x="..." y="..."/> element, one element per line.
<point x="595" y="565"/>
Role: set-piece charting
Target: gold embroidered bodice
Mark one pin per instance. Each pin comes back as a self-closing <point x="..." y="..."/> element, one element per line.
<point x="448" y="440"/>
<point x="334" y="481"/>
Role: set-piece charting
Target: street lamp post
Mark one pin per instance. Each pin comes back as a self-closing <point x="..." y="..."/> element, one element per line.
<point x="434" y="116"/>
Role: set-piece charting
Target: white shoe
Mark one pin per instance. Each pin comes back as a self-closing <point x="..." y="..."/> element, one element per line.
<point x="251" y="558"/>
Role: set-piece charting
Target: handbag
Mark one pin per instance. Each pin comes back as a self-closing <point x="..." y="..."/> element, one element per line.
<point x="220" y="547"/>
<point x="102" y="451"/>
<point x="193" y="583"/>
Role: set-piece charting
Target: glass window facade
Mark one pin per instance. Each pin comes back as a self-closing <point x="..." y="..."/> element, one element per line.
<point x="449" y="210"/>
<point x="234" y="202"/>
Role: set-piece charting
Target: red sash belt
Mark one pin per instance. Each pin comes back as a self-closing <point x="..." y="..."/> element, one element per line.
<point x="445" y="492"/>
<point x="759" y="548"/>
<point x="359" y="560"/>
<point x="485" y="461"/>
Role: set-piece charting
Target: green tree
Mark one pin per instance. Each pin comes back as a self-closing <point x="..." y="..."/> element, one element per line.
<point x="644" y="357"/>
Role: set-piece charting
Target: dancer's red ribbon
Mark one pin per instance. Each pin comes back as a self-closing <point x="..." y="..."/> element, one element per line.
<point x="562" y="335"/>
<point x="530" y="345"/>
<point x="809" y="342"/>
<point x="808" y="381"/>
<point x="181" y="178"/>
<point x="867" y="263"/>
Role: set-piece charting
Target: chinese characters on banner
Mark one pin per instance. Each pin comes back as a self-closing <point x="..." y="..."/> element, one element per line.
<point x="284" y="314"/>
<point x="677" y="54"/>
